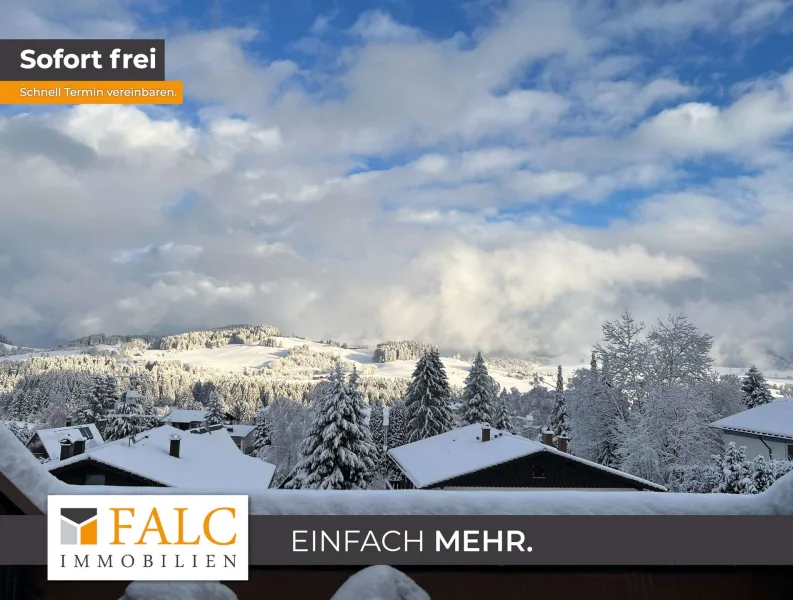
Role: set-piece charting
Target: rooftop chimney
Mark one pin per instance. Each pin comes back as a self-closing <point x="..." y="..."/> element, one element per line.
<point x="561" y="443"/>
<point x="68" y="422"/>
<point x="175" y="444"/>
<point x="547" y="437"/>
<point x="79" y="447"/>
<point x="66" y="448"/>
<point x="485" y="432"/>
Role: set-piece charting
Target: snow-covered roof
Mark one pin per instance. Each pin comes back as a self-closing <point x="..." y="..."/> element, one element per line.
<point x="459" y="452"/>
<point x="241" y="431"/>
<point x="204" y="460"/>
<point x="51" y="438"/>
<point x="36" y="483"/>
<point x="774" y="419"/>
<point x="185" y="416"/>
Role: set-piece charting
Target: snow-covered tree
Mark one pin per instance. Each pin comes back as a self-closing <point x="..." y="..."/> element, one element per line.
<point x="761" y="476"/>
<point x="261" y="433"/>
<point x="397" y="430"/>
<point x="596" y="410"/>
<point x="23" y="434"/>
<point x="427" y="399"/>
<point x="126" y="422"/>
<point x="287" y="421"/>
<point x="627" y="354"/>
<point x="680" y="353"/>
<point x="214" y="415"/>
<point x="755" y="389"/>
<point x="105" y="394"/>
<point x="479" y="394"/>
<point x="337" y="453"/>
<point x="502" y="419"/>
<point x="670" y="432"/>
<point x="734" y="470"/>
<point x="559" y="420"/>
<point x="56" y="412"/>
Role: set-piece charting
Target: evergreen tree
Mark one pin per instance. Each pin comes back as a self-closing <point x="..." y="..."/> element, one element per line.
<point x="126" y="420"/>
<point x="261" y="433"/>
<point x="376" y="424"/>
<point x="479" y="394"/>
<point x="761" y="476"/>
<point x="102" y="401"/>
<point x="427" y="399"/>
<point x="106" y="392"/>
<point x="734" y="471"/>
<point x="559" y="420"/>
<point x="147" y="408"/>
<point x="755" y="389"/>
<point x="502" y="420"/>
<point x="397" y="430"/>
<point x="337" y="453"/>
<point x="214" y="415"/>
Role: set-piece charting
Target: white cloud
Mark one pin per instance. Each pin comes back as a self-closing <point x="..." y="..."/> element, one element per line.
<point x="279" y="233"/>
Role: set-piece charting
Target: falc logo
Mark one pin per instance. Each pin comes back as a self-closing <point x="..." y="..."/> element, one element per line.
<point x="147" y="538"/>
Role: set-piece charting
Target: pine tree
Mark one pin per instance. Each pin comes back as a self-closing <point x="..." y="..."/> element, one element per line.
<point x="126" y="422"/>
<point x="214" y="415"/>
<point x="478" y="394"/>
<point x="761" y="476"/>
<point x="337" y="453"/>
<point x="502" y="419"/>
<point x="397" y="430"/>
<point x="427" y="399"/>
<point x="734" y="470"/>
<point x="103" y="400"/>
<point x="261" y="433"/>
<point x="559" y="420"/>
<point x="106" y="392"/>
<point x="755" y="389"/>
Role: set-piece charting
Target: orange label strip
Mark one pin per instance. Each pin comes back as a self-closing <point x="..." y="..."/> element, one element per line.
<point x="91" y="92"/>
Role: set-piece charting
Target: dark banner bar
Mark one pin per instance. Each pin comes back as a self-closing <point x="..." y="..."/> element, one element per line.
<point x="317" y="540"/>
<point x="82" y="60"/>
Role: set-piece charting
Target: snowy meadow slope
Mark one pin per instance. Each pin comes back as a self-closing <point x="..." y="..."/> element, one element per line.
<point x="239" y="358"/>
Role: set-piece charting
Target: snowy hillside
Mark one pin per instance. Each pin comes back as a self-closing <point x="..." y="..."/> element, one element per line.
<point x="237" y="358"/>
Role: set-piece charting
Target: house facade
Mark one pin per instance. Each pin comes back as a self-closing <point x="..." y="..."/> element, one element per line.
<point x="477" y="457"/>
<point x="765" y="430"/>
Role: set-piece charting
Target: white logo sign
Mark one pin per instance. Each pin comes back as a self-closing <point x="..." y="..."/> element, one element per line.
<point x="147" y="538"/>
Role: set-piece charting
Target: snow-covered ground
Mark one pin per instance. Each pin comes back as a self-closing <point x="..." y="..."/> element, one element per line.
<point x="239" y="357"/>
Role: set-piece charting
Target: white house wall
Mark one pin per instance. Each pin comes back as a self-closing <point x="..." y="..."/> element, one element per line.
<point x="755" y="448"/>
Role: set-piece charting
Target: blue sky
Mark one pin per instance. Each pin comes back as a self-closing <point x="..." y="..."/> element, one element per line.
<point x="706" y="59"/>
<point x="483" y="175"/>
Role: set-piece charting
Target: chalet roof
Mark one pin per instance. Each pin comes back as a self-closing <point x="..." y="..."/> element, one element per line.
<point x="459" y="452"/>
<point x="204" y="460"/>
<point x="185" y="416"/>
<point x="772" y="419"/>
<point x="240" y="430"/>
<point x="51" y="438"/>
